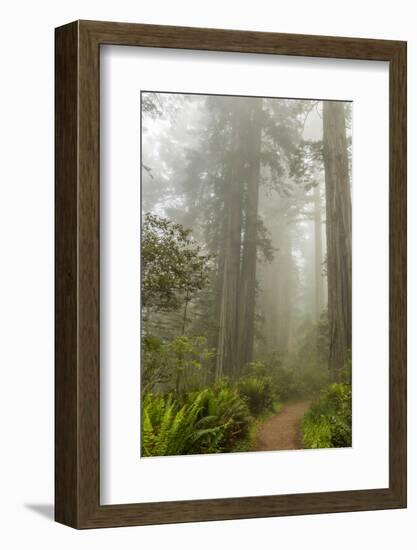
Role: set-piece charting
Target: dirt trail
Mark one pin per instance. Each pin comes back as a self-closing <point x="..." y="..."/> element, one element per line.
<point x="282" y="431"/>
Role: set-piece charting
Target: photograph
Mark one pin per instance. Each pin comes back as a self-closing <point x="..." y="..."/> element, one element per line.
<point x="246" y="274"/>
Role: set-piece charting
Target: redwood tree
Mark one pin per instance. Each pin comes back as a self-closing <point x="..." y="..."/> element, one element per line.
<point x="318" y="255"/>
<point x="247" y="294"/>
<point x="338" y="233"/>
<point x="232" y="228"/>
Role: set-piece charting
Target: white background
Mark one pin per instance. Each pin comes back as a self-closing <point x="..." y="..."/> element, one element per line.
<point x="124" y="477"/>
<point x="26" y="289"/>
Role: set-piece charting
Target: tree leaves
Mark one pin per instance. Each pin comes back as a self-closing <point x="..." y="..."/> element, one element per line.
<point x="174" y="267"/>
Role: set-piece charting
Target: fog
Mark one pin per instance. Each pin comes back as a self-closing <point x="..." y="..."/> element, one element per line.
<point x="246" y="176"/>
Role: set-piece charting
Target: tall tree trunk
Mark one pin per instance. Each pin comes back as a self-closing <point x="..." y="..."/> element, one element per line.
<point x="226" y="351"/>
<point x="269" y="305"/>
<point x="318" y="255"/>
<point x="285" y="291"/>
<point x="218" y="286"/>
<point x="338" y="233"/>
<point x="247" y="294"/>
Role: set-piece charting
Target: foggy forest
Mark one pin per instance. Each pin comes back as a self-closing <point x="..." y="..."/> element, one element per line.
<point x="246" y="267"/>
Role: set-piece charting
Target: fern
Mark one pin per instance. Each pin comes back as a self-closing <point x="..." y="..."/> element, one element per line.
<point x="206" y="421"/>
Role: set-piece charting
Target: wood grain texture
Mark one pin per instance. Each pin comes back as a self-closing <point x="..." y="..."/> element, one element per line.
<point x="66" y="238"/>
<point x="78" y="286"/>
<point x="398" y="273"/>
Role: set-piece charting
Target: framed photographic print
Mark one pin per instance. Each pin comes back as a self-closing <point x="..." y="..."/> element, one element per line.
<point x="230" y="274"/>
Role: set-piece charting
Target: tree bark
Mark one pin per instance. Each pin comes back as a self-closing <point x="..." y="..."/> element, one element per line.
<point x="247" y="295"/>
<point x="285" y="292"/>
<point x="318" y="254"/>
<point x="226" y="351"/>
<point x="338" y="233"/>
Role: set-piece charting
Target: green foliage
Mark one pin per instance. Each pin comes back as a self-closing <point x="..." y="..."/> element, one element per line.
<point x="208" y="421"/>
<point x="181" y="415"/>
<point x="284" y="379"/>
<point x="205" y="420"/>
<point x="304" y="371"/>
<point x="168" y="428"/>
<point x="328" y="423"/>
<point x="317" y="435"/>
<point x="257" y="392"/>
<point x="257" y="388"/>
<point x="179" y="364"/>
<point x="223" y="407"/>
<point x="345" y="374"/>
<point x="173" y="265"/>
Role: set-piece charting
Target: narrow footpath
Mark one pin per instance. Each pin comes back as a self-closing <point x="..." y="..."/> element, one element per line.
<point x="283" y="430"/>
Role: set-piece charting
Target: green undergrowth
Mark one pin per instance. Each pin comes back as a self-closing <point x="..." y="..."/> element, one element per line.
<point x="328" y="423"/>
<point x="186" y="411"/>
<point x="217" y="419"/>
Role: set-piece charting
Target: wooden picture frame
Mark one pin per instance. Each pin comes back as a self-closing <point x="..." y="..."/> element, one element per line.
<point x="77" y="374"/>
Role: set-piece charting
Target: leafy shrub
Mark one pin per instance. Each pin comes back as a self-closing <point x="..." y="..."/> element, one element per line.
<point x="328" y="423"/>
<point x="174" y="268"/>
<point x="257" y="388"/>
<point x="222" y="406"/>
<point x="311" y="379"/>
<point x="344" y="376"/>
<point x="167" y="428"/>
<point x="175" y="365"/>
<point x="285" y="382"/>
<point x="256" y="369"/>
<point x="207" y="421"/>
<point x="258" y="393"/>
